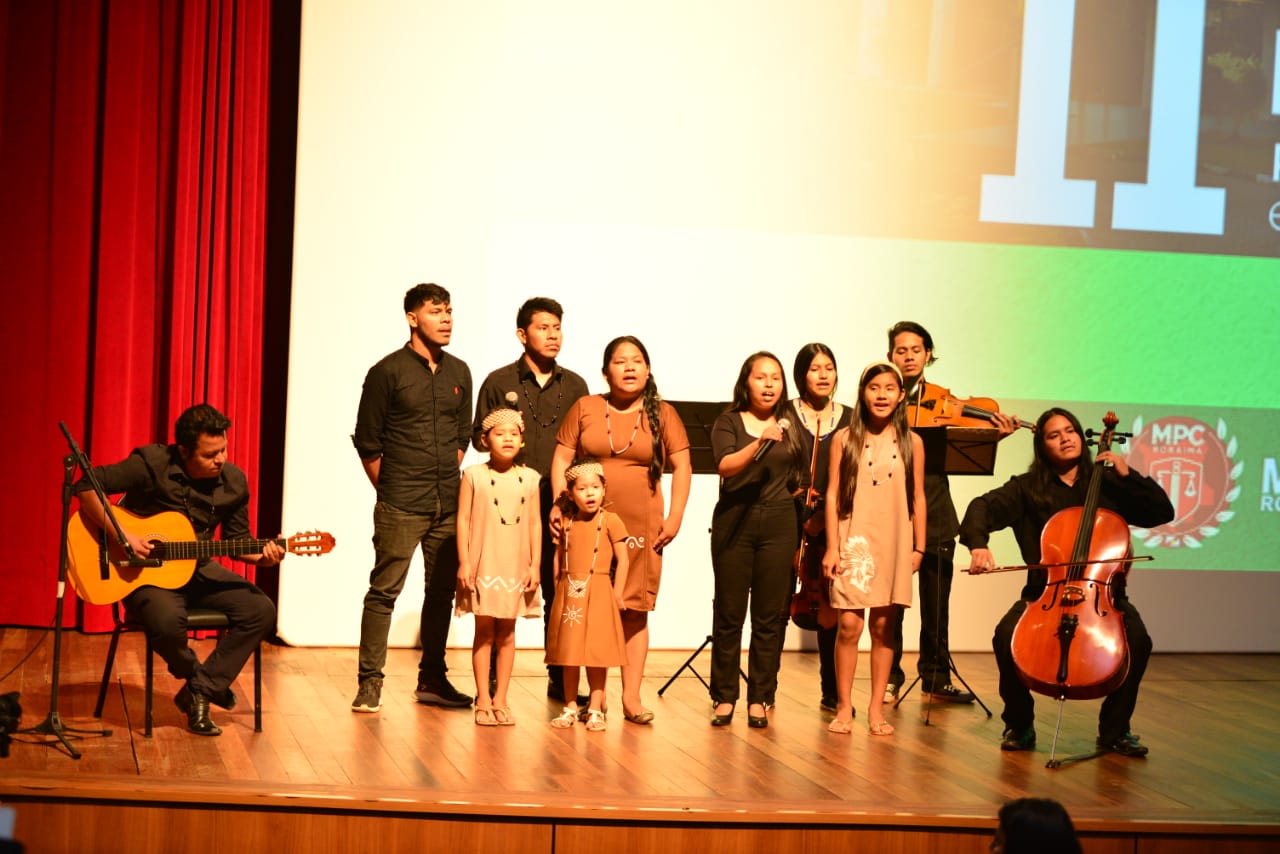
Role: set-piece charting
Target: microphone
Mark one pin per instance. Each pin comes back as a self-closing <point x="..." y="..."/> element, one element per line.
<point x="140" y="563"/>
<point x="766" y="444"/>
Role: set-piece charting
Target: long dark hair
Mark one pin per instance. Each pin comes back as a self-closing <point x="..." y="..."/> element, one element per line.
<point x="652" y="405"/>
<point x="1041" y="469"/>
<point x="781" y="410"/>
<point x="856" y="435"/>
<point x="804" y="359"/>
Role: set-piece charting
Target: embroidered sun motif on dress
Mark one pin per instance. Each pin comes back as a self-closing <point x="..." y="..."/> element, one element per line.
<point x="572" y="615"/>
<point x="856" y="562"/>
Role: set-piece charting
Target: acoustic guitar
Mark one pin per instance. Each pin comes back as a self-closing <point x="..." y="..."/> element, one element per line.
<point x="100" y="575"/>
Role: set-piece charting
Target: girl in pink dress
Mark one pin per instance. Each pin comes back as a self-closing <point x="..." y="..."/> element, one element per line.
<point x="585" y="629"/>
<point x="499" y="546"/>
<point x="875" y="513"/>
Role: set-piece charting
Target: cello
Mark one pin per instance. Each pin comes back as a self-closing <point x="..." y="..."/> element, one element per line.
<point x="1070" y="643"/>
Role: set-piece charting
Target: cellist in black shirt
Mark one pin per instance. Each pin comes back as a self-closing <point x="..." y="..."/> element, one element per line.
<point x="1057" y="479"/>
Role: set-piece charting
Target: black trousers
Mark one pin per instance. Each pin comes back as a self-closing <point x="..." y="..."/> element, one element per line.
<point x="937" y="568"/>
<point x="752" y="550"/>
<point x="1117" y="709"/>
<point x="163" y="614"/>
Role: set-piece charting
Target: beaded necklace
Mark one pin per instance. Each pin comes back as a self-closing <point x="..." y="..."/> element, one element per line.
<point x="578" y="588"/>
<point x="533" y="409"/>
<point x="873" y="461"/>
<point x="493" y="485"/>
<point x="608" y="429"/>
<point x="817" y="429"/>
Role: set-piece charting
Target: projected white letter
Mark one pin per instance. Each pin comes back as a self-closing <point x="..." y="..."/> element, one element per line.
<point x="1038" y="193"/>
<point x="1170" y="200"/>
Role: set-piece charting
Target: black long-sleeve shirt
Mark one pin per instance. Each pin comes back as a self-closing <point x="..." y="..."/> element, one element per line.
<point x="153" y="480"/>
<point x="543" y="407"/>
<point x="1138" y="499"/>
<point x="417" y="421"/>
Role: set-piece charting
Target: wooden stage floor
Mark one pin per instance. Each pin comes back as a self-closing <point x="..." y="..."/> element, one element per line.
<point x="1210" y="721"/>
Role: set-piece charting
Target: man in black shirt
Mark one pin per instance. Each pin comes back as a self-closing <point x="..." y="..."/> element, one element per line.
<point x="543" y="391"/>
<point x="192" y="477"/>
<point x="911" y="350"/>
<point x="412" y="428"/>
<point x="1057" y="479"/>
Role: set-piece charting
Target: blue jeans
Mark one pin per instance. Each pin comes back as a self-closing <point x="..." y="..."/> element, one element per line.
<point x="396" y="536"/>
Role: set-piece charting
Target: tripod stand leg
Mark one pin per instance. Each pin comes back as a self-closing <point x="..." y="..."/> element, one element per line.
<point x="52" y="724"/>
<point x="951" y="663"/>
<point x="688" y="665"/>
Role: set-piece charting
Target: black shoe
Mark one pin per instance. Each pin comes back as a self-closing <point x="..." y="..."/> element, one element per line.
<point x="950" y="694"/>
<point x="891" y="692"/>
<point x="197" y="709"/>
<point x="555" y="690"/>
<point x="1014" y="740"/>
<point x="1125" y="745"/>
<point x="223" y="699"/>
<point x="368" y="696"/>
<point x="828" y="704"/>
<point x="438" y="692"/>
<point x="760" y="722"/>
<point x="721" y="720"/>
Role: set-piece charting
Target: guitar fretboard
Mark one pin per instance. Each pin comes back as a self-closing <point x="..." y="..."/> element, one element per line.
<point x="195" y="549"/>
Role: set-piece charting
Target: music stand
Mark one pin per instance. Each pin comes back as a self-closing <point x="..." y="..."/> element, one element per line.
<point x="959" y="451"/>
<point x="52" y="724"/>
<point x="698" y="417"/>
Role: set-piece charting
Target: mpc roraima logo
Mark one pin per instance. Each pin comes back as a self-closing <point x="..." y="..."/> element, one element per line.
<point x="1270" y="485"/>
<point x="1195" y="464"/>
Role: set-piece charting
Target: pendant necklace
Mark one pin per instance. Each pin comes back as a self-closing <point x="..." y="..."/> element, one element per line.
<point x="493" y="485"/>
<point x="578" y="588"/>
<point x="608" y="429"/>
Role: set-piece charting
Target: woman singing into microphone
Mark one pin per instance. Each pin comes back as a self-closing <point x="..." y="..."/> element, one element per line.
<point x="754" y="534"/>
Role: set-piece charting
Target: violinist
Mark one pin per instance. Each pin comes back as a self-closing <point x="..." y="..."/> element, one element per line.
<point x="1057" y="479"/>
<point x="819" y="416"/>
<point x="911" y="350"/>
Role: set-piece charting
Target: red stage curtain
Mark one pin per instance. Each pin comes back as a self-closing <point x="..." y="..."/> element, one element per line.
<point x="133" y="176"/>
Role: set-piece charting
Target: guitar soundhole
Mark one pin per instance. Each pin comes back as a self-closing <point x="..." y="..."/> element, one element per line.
<point x="159" y="549"/>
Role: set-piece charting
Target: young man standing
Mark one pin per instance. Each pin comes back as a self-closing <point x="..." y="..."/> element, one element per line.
<point x="412" y="428"/>
<point x="911" y="349"/>
<point x="543" y="391"/>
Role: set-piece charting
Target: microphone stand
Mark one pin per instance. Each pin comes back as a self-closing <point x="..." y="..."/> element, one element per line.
<point x="52" y="725"/>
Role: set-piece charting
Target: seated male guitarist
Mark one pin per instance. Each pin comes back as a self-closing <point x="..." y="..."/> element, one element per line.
<point x="192" y="476"/>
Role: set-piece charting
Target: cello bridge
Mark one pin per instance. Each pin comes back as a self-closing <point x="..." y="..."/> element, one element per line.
<point x="1072" y="595"/>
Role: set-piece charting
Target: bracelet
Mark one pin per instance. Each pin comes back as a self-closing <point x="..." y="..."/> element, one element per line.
<point x="918" y="551"/>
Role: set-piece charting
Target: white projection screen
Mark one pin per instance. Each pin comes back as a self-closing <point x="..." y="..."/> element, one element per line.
<point x="1076" y="217"/>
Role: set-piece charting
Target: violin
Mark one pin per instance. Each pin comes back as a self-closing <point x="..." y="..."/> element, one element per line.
<point x="1070" y="643"/>
<point x="810" y="603"/>
<point x="936" y="406"/>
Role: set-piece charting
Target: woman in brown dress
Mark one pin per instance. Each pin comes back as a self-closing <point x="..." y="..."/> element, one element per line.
<point x="635" y="435"/>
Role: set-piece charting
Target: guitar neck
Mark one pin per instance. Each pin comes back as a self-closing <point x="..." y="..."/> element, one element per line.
<point x="195" y="549"/>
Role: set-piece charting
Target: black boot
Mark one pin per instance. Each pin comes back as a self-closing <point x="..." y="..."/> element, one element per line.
<point x="197" y="708"/>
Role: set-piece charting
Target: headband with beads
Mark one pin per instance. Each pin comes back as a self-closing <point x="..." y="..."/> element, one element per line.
<point x="582" y="469"/>
<point x="877" y="364"/>
<point x="502" y="416"/>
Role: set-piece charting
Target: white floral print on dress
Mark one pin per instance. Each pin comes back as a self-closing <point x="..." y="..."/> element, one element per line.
<point x="856" y="562"/>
